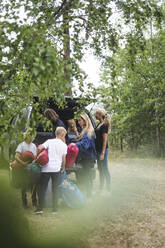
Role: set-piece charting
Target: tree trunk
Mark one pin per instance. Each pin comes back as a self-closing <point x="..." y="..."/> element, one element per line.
<point x="158" y="144"/>
<point x="121" y="144"/>
<point x="158" y="140"/>
<point x="66" y="47"/>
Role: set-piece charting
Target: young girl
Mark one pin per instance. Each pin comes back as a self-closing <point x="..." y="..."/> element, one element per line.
<point x="102" y="147"/>
<point x="72" y="131"/>
<point x="26" y="145"/>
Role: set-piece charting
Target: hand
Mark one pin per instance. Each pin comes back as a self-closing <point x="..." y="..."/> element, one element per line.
<point x="62" y="170"/>
<point x="72" y="144"/>
<point x="101" y="156"/>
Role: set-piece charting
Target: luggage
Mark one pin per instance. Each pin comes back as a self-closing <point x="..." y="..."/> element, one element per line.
<point x="71" y="156"/>
<point x="42" y="159"/>
<point x="26" y="156"/>
<point x="71" y="196"/>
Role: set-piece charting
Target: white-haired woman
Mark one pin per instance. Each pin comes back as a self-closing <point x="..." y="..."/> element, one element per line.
<point x="87" y="152"/>
<point x="102" y="150"/>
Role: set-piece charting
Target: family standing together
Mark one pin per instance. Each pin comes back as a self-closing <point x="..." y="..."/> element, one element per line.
<point x="92" y="145"/>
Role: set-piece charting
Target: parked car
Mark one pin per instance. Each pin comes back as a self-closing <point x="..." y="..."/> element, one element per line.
<point x="43" y="130"/>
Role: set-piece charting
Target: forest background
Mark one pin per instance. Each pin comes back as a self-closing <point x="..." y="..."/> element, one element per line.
<point x="41" y="54"/>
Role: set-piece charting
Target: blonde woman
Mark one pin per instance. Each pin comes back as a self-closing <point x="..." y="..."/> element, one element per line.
<point x="87" y="152"/>
<point x="102" y="150"/>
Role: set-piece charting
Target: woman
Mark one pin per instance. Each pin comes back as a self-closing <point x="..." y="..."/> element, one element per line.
<point x="87" y="152"/>
<point x="51" y="115"/>
<point x="102" y="150"/>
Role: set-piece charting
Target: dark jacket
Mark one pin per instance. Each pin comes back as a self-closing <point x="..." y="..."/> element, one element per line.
<point x="86" y="147"/>
<point x="58" y="123"/>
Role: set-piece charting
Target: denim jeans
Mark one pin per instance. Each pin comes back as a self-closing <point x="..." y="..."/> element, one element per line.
<point x="104" y="173"/>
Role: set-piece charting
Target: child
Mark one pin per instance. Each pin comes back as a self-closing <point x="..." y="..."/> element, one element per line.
<point x="26" y="145"/>
<point x="72" y="131"/>
<point x="57" y="150"/>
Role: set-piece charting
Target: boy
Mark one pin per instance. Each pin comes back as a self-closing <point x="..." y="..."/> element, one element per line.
<point x="26" y="145"/>
<point x="57" y="150"/>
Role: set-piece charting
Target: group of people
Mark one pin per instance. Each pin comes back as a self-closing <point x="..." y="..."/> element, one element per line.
<point x="92" y="144"/>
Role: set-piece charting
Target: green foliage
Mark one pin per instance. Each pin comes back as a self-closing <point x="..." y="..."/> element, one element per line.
<point x="135" y="92"/>
<point x="42" y="43"/>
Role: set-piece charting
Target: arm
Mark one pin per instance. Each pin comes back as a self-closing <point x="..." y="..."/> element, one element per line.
<point x="39" y="149"/>
<point x="19" y="160"/>
<point x="63" y="163"/>
<point x="105" y="138"/>
<point x="83" y="144"/>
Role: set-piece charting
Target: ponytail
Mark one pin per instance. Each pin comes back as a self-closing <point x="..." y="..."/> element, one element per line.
<point x="107" y="121"/>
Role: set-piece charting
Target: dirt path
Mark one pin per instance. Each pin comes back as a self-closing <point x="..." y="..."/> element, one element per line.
<point x="135" y="214"/>
<point x="132" y="216"/>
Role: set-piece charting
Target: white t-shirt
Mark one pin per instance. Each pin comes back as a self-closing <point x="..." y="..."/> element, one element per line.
<point x="56" y="149"/>
<point x="23" y="147"/>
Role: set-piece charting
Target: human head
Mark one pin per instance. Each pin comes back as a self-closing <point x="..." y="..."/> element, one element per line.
<point x="71" y="123"/>
<point x="29" y="135"/>
<point x="81" y="122"/>
<point x="51" y="115"/>
<point x="86" y="125"/>
<point x="72" y="126"/>
<point x="102" y="115"/>
<point x="60" y="132"/>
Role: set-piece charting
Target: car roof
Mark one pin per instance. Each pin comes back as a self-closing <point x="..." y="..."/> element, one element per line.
<point x="71" y="106"/>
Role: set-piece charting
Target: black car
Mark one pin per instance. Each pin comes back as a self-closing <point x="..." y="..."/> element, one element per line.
<point x="34" y="115"/>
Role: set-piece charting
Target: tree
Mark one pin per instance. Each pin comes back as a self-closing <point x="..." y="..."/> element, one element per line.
<point x="135" y="82"/>
<point x="40" y="51"/>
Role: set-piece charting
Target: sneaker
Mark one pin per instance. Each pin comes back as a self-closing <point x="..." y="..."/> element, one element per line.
<point x="34" y="206"/>
<point x="38" y="211"/>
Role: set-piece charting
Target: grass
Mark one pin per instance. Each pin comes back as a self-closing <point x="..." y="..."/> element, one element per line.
<point x="132" y="216"/>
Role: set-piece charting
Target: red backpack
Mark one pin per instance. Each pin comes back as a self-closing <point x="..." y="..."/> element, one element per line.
<point x="71" y="156"/>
